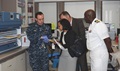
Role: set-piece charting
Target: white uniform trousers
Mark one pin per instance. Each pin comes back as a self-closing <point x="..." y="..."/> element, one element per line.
<point x="99" y="59"/>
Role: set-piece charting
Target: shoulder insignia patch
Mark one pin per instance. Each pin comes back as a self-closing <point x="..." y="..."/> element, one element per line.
<point x="97" y="21"/>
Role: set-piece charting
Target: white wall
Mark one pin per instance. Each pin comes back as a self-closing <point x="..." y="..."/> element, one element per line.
<point x="77" y="9"/>
<point x="111" y="10"/>
<point x="111" y="13"/>
<point x="50" y="15"/>
<point x="50" y="12"/>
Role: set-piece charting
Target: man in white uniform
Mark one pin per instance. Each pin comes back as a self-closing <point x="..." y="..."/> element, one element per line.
<point x="98" y="42"/>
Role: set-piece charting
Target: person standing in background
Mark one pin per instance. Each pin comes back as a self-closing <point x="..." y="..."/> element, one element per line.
<point x="98" y="42"/>
<point x="66" y="61"/>
<point x="79" y="29"/>
<point x="39" y="34"/>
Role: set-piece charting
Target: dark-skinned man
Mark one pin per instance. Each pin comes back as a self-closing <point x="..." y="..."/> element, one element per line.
<point x="98" y="42"/>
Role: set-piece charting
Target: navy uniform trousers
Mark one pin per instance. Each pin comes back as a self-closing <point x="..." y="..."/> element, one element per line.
<point x="39" y="60"/>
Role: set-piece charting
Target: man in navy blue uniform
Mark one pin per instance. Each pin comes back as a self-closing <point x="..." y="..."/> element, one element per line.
<point x="39" y="34"/>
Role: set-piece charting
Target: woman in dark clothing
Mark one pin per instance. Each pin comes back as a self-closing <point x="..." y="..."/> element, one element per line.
<point x="68" y="36"/>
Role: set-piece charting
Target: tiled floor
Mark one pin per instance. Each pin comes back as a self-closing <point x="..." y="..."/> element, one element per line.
<point x="54" y="69"/>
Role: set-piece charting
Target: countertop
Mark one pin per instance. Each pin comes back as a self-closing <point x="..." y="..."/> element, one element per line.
<point x="12" y="53"/>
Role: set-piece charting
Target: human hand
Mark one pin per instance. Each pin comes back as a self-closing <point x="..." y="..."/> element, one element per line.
<point x="110" y="57"/>
<point x="51" y="40"/>
<point x="45" y="39"/>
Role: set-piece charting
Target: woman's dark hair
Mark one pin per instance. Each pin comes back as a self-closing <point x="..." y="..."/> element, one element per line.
<point x="65" y="23"/>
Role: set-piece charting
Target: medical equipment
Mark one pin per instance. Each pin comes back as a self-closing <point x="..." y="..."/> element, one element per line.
<point x="10" y="30"/>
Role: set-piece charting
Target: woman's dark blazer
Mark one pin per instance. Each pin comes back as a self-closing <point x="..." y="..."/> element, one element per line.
<point x="69" y="38"/>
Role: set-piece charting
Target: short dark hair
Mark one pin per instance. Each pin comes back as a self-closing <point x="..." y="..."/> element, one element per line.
<point x="65" y="24"/>
<point x="64" y="13"/>
<point x="38" y="13"/>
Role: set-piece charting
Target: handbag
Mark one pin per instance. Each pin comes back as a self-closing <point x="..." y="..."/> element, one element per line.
<point x="78" y="48"/>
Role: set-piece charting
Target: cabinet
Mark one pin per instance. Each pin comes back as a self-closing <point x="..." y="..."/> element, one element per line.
<point x="10" y="6"/>
<point x="17" y="63"/>
<point x="30" y="11"/>
<point x="19" y="6"/>
<point x="20" y="62"/>
<point x="28" y="63"/>
<point x="8" y="65"/>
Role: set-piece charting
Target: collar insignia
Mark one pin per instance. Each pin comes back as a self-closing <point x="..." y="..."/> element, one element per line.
<point x="97" y="21"/>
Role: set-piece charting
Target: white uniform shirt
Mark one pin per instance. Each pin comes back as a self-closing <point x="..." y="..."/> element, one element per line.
<point x="97" y="32"/>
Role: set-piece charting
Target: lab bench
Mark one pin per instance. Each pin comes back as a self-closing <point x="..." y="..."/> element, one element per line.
<point x="14" y="60"/>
